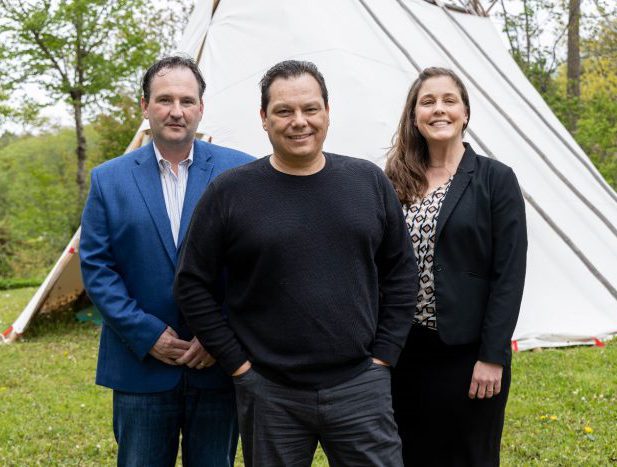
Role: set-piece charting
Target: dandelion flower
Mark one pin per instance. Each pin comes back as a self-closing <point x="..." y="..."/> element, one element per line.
<point x="588" y="430"/>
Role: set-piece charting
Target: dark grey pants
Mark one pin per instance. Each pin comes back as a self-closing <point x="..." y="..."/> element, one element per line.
<point x="353" y="421"/>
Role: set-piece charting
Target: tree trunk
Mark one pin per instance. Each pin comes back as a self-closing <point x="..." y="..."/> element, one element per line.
<point x="574" y="59"/>
<point x="81" y="147"/>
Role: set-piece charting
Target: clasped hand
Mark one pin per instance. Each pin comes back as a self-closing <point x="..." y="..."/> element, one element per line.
<point x="170" y="349"/>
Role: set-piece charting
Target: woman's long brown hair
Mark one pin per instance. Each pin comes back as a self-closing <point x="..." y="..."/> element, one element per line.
<point x="408" y="157"/>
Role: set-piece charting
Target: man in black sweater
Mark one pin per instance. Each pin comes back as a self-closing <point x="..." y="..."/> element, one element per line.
<point x="320" y="287"/>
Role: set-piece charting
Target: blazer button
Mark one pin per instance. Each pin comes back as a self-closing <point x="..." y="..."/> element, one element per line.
<point x="438" y="268"/>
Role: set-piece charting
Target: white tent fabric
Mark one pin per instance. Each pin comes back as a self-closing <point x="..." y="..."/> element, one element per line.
<point x="363" y="48"/>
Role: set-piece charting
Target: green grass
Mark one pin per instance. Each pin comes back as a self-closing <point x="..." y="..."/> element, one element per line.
<point x="51" y="413"/>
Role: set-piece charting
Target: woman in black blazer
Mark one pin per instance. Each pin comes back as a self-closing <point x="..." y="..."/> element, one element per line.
<point x="466" y="218"/>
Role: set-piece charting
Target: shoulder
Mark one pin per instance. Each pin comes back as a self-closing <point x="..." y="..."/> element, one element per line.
<point x="124" y="162"/>
<point x="492" y="166"/>
<point x="498" y="178"/>
<point x="354" y="165"/>
<point x="222" y="155"/>
<point x="240" y="174"/>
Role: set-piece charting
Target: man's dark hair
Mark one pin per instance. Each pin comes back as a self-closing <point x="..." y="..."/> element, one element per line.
<point x="290" y="69"/>
<point x="173" y="61"/>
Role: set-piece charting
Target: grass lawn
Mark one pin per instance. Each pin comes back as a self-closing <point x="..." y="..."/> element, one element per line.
<point x="562" y="409"/>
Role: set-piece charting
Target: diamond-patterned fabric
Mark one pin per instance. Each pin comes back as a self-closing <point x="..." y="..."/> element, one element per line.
<point x="421" y="218"/>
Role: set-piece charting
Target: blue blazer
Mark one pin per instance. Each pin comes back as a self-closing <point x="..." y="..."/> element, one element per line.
<point x="128" y="263"/>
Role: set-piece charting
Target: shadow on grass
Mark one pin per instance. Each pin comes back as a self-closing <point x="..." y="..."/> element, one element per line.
<point x="58" y="324"/>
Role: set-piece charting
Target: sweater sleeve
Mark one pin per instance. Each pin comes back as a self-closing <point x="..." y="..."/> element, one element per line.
<point x="398" y="281"/>
<point x="509" y="234"/>
<point x="197" y="278"/>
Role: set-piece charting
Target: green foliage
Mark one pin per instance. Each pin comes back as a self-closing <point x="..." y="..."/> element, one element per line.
<point x="38" y="214"/>
<point x="55" y="415"/>
<point x="79" y="51"/>
<point x="9" y="284"/>
<point x="117" y="127"/>
<point x="596" y="110"/>
<point x="75" y="47"/>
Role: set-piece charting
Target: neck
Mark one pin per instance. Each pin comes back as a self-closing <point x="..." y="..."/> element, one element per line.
<point x="445" y="155"/>
<point x="174" y="153"/>
<point x="298" y="167"/>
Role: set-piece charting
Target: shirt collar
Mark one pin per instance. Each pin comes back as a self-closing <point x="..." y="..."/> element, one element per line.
<point x="163" y="163"/>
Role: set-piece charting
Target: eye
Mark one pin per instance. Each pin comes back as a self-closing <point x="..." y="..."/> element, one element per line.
<point x="283" y="112"/>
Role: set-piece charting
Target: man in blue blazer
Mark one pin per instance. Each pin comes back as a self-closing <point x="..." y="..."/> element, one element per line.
<point x="133" y="226"/>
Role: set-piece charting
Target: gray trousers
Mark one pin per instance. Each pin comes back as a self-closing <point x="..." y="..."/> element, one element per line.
<point x="353" y="421"/>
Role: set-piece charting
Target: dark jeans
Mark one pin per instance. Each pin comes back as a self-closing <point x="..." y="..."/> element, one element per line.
<point x="147" y="427"/>
<point x="353" y="421"/>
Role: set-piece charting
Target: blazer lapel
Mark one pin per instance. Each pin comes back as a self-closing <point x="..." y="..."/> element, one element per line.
<point x="148" y="179"/>
<point x="461" y="179"/>
<point x="200" y="173"/>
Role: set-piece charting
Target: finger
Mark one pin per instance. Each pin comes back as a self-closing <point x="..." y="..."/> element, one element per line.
<point x="473" y="389"/>
<point x="195" y="361"/>
<point x="481" y="390"/>
<point x="193" y="351"/>
<point x="178" y="344"/>
<point x="490" y="392"/>
<point x="209" y="361"/>
<point x="172" y="332"/>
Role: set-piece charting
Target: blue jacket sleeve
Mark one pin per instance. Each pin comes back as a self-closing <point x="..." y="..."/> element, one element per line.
<point x="103" y="282"/>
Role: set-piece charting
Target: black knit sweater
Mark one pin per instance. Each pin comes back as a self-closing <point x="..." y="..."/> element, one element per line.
<point x="320" y="273"/>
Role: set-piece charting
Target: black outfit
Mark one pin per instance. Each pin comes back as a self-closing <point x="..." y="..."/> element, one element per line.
<point x="320" y="277"/>
<point x="479" y="272"/>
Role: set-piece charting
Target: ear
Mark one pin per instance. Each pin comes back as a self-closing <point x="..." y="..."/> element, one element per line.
<point x="201" y="106"/>
<point x="262" y="114"/>
<point x="144" y="107"/>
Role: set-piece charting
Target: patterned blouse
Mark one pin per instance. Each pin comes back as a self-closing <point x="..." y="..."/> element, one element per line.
<point x="421" y="218"/>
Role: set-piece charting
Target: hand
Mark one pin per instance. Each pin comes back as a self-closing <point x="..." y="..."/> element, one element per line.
<point x="196" y="356"/>
<point x="246" y="366"/>
<point x="169" y="347"/>
<point x="485" y="380"/>
<point x="377" y="361"/>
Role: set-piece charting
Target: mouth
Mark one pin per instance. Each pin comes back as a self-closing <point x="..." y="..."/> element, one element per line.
<point x="175" y="125"/>
<point x="439" y="123"/>
<point x="300" y="137"/>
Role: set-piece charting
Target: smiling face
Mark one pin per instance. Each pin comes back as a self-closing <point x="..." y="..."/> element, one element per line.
<point x="174" y="108"/>
<point x="440" y="113"/>
<point x="296" y="119"/>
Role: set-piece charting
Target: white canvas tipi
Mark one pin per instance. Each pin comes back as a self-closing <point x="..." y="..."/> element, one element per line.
<point x="369" y="52"/>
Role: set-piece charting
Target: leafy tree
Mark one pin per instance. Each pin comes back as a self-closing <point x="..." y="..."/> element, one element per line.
<point x="79" y="51"/>
<point x="117" y="126"/>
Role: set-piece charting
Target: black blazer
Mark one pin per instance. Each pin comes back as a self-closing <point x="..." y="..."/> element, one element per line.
<point x="480" y="257"/>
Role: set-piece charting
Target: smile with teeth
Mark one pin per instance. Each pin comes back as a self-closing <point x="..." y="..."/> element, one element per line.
<point x="439" y="123"/>
<point x="299" y="137"/>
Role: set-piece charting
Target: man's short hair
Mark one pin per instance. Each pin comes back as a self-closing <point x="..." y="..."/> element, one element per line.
<point x="170" y="62"/>
<point x="290" y="69"/>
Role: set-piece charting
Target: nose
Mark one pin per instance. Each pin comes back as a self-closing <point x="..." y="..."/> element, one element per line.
<point x="299" y="119"/>
<point x="438" y="108"/>
<point x="176" y="110"/>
